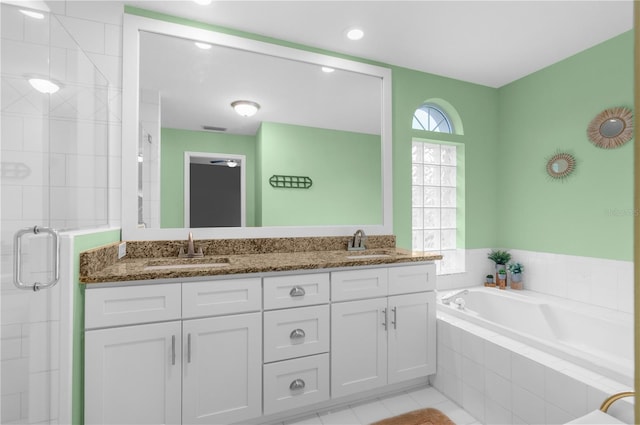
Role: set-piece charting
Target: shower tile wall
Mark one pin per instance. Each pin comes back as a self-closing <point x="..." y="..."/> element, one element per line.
<point x="57" y="152"/>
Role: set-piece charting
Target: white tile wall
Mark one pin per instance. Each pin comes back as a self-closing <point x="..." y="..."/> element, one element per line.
<point x="598" y="281"/>
<point x="500" y="381"/>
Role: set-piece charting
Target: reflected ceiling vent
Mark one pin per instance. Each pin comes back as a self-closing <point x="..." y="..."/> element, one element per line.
<point x="214" y="128"/>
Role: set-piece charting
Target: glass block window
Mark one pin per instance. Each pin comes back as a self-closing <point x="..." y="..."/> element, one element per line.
<point x="429" y="117"/>
<point x="434" y="185"/>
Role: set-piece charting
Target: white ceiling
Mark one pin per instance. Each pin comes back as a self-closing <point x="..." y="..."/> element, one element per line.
<point x="486" y="42"/>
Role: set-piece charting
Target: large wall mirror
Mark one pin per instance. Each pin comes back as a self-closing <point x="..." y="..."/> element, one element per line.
<point x="320" y="117"/>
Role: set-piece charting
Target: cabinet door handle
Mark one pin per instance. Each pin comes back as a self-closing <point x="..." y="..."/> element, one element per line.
<point x="297" y="291"/>
<point x="298" y="384"/>
<point x="188" y="348"/>
<point x="173" y="350"/>
<point x="394" y="322"/>
<point x="297" y="333"/>
<point x="384" y="313"/>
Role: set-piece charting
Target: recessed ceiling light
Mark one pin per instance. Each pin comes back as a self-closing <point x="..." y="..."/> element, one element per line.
<point x="202" y="2"/>
<point x="32" y="14"/>
<point x="355" y="34"/>
<point x="203" y="46"/>
<point x="246" y="108"/>
<point x="327" y="69"/>
<point x="44" y="85"/>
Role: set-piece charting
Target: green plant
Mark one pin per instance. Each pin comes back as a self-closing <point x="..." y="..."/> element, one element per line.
<point x="502" y="272"/>
<point x="499" y="256"/>
<point x="489" y="276"/>
<point x="515" y="268"/>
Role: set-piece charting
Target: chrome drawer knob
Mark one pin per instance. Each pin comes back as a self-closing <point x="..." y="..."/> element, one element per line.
<point x="298" y="384"/>
<point x="297" y="333"/>
<point x="297" y="291"/>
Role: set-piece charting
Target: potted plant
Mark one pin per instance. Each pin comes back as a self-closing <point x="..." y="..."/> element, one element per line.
<point x="502" y="274"/>
<point x="489" y="280"/>
<point x="516" y="270"/>
<point x="500" y="257"/>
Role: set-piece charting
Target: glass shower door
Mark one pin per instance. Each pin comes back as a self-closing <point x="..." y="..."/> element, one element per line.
<point x="53" y="175"/>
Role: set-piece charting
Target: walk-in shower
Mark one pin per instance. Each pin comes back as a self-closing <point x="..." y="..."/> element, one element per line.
<point x="54" y="169"/>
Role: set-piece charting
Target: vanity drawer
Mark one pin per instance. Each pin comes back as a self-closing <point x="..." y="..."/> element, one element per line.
<point x="296" y="383"/>
<point x="296" y="290"/>
<point x="296" y="332"/>
<point x="213" y="298"/>
<point x="415" y="278"/>
<point x="132" y="304"/>
<point x="357" y="284"/>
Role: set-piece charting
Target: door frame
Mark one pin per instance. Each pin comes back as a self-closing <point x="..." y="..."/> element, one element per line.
<point x="210" y="156"/>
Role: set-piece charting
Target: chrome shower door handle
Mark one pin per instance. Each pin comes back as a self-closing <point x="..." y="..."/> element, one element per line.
<point x="17" y="258"/>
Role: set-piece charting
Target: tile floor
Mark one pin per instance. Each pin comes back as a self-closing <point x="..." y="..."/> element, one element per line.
<point x="374" y="410"/>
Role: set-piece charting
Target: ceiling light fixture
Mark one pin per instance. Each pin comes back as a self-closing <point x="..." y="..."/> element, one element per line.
<point x="327" y="69"/>
<point x="246" y="108"/>
<point x="203" y="2"/>
<point x="32" y="14"/>
<point x="203" y="46"/>
<point x="355" y="34"/>
<point x="43" y="85"/>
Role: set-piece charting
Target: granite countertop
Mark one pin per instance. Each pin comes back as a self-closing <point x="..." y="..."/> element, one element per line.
<point x="149" y="260"/>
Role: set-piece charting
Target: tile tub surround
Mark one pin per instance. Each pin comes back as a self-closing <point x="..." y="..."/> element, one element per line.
<point x="244" y="256"/>
<point x="501" y="381"/>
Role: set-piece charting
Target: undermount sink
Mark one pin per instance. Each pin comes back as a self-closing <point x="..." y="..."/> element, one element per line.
<point x="365" y="256"/>
<point x="186" y="263"/>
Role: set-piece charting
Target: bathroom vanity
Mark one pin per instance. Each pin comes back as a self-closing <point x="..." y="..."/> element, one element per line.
<point x="255" y="346"/>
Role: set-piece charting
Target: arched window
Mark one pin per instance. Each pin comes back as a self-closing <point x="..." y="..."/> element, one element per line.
<point x="430" y="117"/>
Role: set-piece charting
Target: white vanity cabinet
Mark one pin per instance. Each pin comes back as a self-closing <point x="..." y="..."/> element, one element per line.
<point x="196" y="370"/>
<point x="236" y="349"/>
<point x="377" y="340"/>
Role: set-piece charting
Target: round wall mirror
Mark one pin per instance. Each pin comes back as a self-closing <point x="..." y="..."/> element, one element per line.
<point x="611" y="128"/>
<point x="560" y="165"/>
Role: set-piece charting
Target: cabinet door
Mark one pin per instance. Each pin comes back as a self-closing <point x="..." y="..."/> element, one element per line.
<point x="133" y="375"/>
<point x="412" y="336"/>
<point x="358" y="346"/>
<point x="222" y="375"/>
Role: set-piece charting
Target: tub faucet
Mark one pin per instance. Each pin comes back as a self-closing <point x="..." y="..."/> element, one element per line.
<point x="446" y="299"/>
<point x="358" y="241"/>
<point x="191" y="252"/>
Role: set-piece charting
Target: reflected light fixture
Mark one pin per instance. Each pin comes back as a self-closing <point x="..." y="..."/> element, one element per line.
<point x="203" y="46"/>
<point x="355" y="34"/>
<point x="246" y="108"/>
<point x="327" y="69"/>
<point x="32" y="14"/>
<point x="43" y="85"/>
<point x="231" y="163"/>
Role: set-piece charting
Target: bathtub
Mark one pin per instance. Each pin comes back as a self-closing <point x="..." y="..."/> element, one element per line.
<point x="594" y="338"/>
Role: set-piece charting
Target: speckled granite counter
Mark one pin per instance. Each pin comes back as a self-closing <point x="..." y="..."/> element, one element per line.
<point x="147" y="260"/>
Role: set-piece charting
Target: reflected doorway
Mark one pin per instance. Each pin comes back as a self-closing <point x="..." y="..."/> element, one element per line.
<point x="214" y="190"/>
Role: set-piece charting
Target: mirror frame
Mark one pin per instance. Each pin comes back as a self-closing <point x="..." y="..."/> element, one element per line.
<point x="605" y="142"/>
<point x="132" y="26"/>
<point x="561" y="156"/>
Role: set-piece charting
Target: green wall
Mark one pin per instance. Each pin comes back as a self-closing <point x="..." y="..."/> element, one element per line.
<point x="590" y="212"/>
<point x="344" y="167"/>
<point x="174" y="143"/>
<point x="80" y="244"/>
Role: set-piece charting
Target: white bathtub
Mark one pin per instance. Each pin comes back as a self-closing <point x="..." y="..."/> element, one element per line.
<point x="595" y="338"/>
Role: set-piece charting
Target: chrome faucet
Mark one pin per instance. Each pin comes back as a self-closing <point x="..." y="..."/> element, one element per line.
<point x="358" y="242"/>
<point x="191" y="252"/>
<point x="446" y="299"/>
